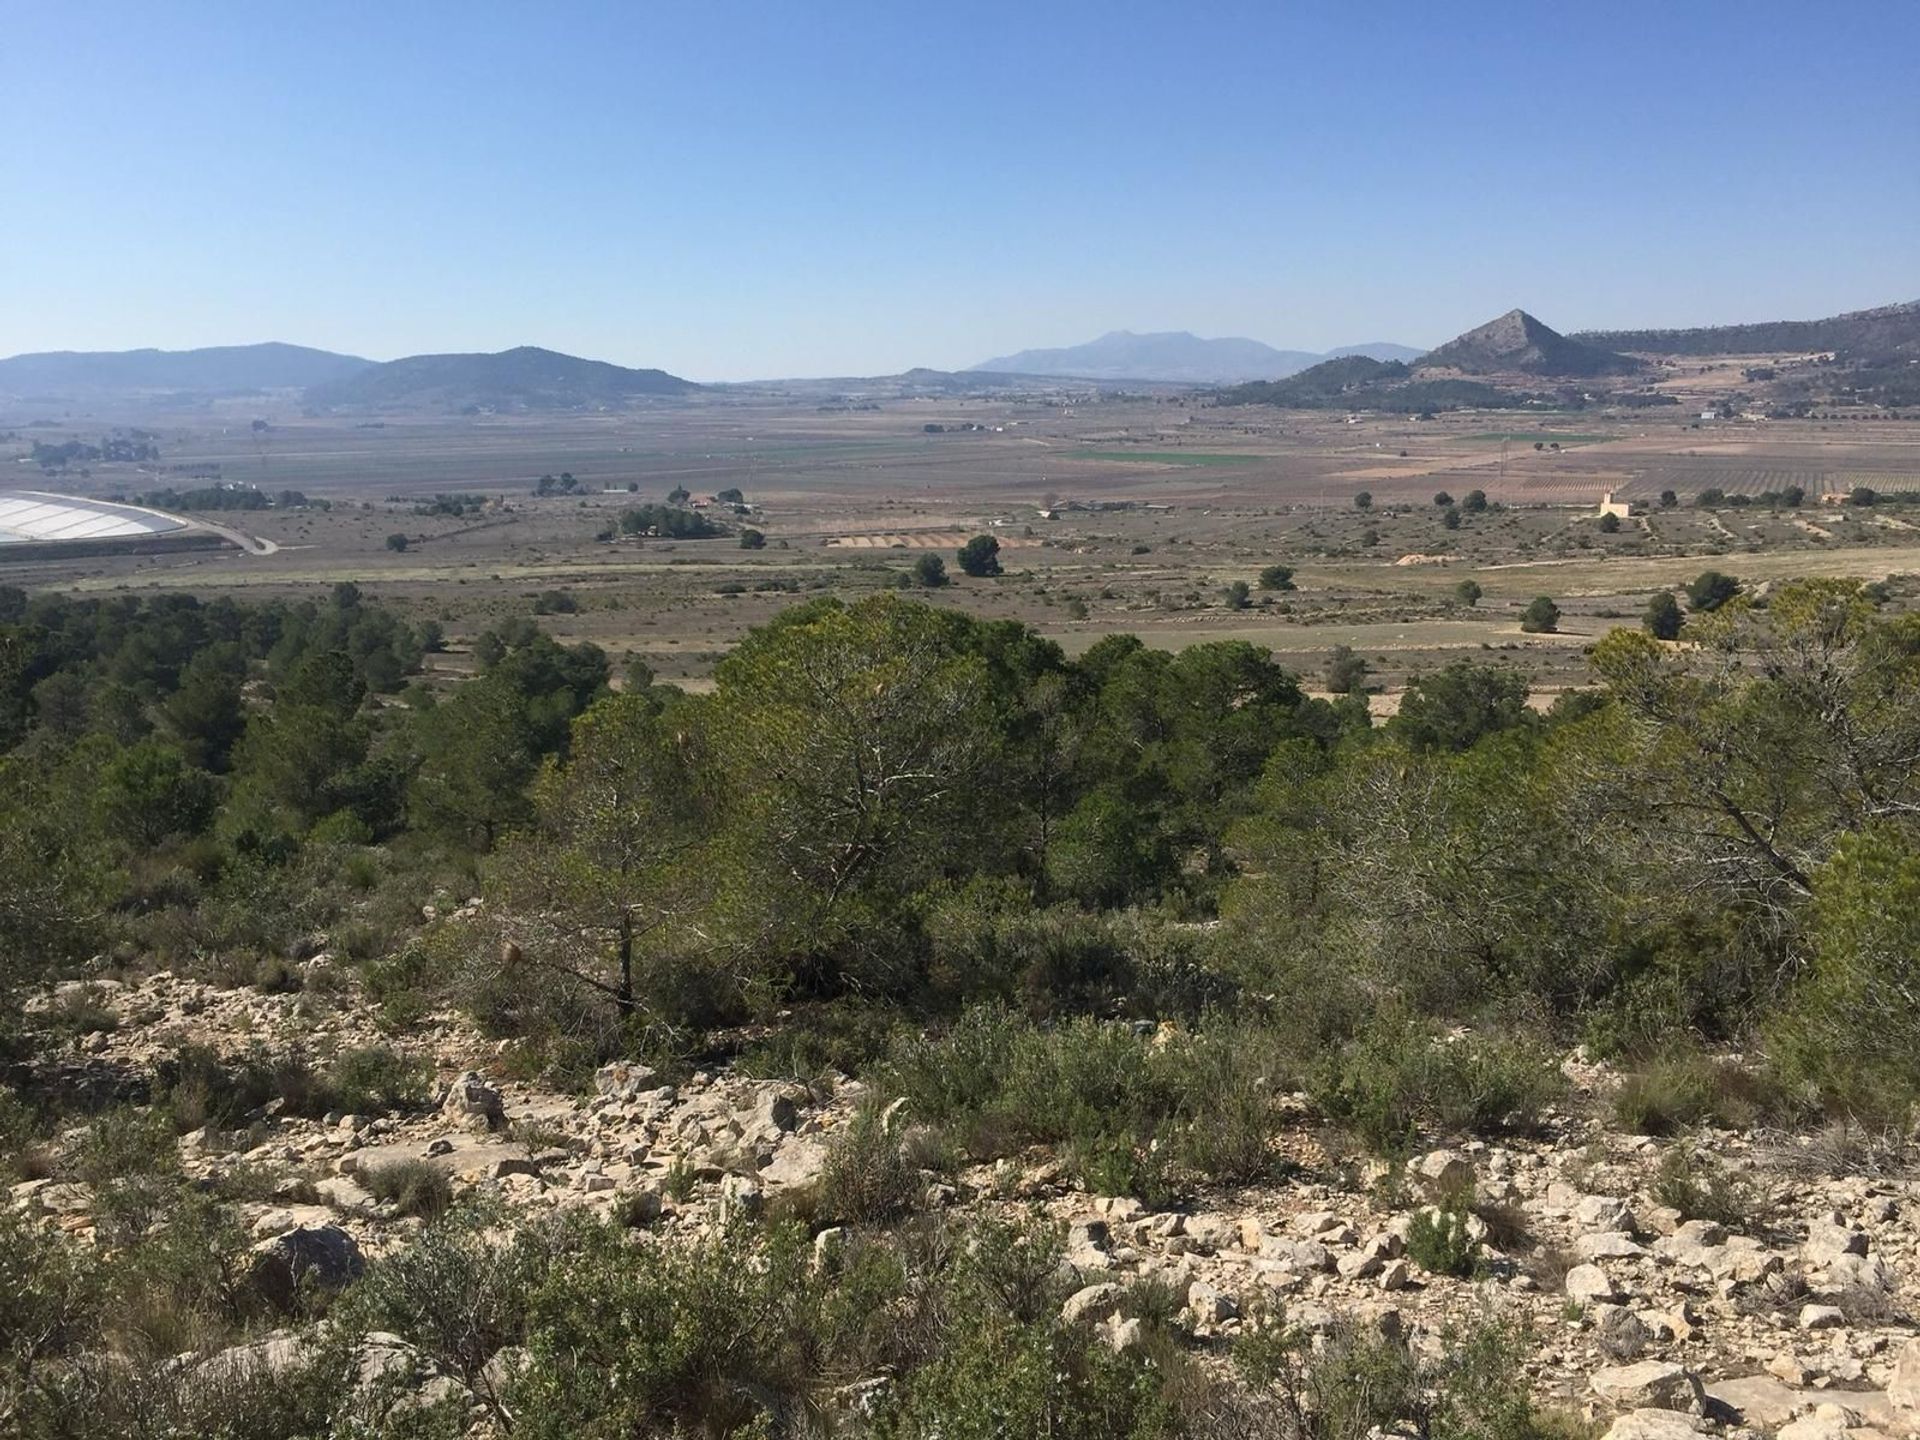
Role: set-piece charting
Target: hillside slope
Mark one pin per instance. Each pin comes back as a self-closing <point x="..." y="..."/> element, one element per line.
<point x="1886" y="330"/>
<point x="1164" y="355"/>
<point x="217" y="369"/>
<point x="1518" y="343"/>
<point x="526" y="378"/>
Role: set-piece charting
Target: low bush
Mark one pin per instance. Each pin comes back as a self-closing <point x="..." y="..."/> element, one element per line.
<point x="1398" y="1077"/>
<point x="1353" y="1384"/>
<point x="1135" y="1113"/>
<point x="865" y="1179"/>
<point x="1680" y="1088"/>
<point x="1438" y="1241"/>
<point x="413" y="1187"/>
<point x="463" y="1290"/>
<point x="196" y="1086"/>
<point x="1700" y="1188"/>
<point x="374" y="1079"/>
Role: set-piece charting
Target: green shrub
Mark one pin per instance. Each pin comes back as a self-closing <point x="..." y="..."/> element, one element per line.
<point x="1439" y="1243"/>
<point x="657" y="1338"/>
<point x="81" y="1010"/>
<point x="375" y="1078"/>
<point x="1133" y="1115"/>
<point x="196" y="1086"/>
<point x="1848" y="1034"/>
<point x="998" y="1379"/>
<point x="401" y="983"/>
<point x="865" y="1180"/>
<point x="1356" y="1383"/>
<point x="460" y="1292"/>
<point x="1700" y="1188"/>
<point x="1681" y="1088"/>
<point x="23" y="1151"/>
<point x="843" y="1037"/>
<point x="126" y="1143"/>
<point x="413" y="1187"/>
<point x="1397" y="1077"/>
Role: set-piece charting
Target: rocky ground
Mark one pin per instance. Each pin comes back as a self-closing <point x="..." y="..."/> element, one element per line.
<point x="1795" y="1318"/>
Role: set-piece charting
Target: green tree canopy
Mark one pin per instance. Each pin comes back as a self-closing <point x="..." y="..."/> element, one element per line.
<point x="980" y="556"/>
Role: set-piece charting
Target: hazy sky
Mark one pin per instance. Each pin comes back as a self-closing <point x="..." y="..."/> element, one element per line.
<point x="730" y="189"/>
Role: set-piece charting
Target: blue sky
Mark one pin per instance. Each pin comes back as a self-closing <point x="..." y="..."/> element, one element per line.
<point x="731" y="189"/>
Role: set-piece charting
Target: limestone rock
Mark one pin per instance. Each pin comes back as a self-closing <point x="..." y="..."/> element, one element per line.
<point x="1822" y="1317"/>
<point x="1093" y="1303"/>
<point x="1441" y="1173"/>
<point x="473" y="1103"/>
<point x="1608" y="1245"/>
<point x="1655" y="1425"/>
<point x="1590" y="1285"/>
<point x="321" y="1258"/>
<point x="796" y="1162"/>
<point x="1651" y="1385"/>
<point x="1606" y="1213"/>
<point x="1904" y="1388"/>
<point x="1827" y="1422"/>
<point x="1849" y="1271"/>
<point x="625" y="1080"/>
<point x="1208" y="1305"/>
<point x="500" y="1372"/>
<point x="1828" y="1240"/>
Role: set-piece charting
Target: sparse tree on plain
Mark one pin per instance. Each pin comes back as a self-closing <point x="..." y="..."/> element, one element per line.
<point x="1542" y="617"/>
<point x="1663" y="618"/>
<point x="980" y="557"/>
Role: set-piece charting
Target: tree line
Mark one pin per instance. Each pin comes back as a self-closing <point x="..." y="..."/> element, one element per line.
<point x="887" y="809"/>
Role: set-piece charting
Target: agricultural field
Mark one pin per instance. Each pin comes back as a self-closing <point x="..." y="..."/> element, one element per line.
<point x="1159" y="504"/>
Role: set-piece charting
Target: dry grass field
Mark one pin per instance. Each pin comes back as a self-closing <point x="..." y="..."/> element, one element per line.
<point x="1158" y="504"/>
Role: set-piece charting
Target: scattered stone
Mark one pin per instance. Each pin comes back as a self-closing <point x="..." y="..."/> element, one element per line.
<point x="473" y="1103"/>
<point x="625" y="1080"/>
<point x="1208" y="1305"/>
<point x="1590" y="1285"/>
<point x="828" y="1246"/>
<point x="1655" y="1425"/>
<point x="1605" y="1212"/>
<point x="1651" y="1385"/>
<point x="1822" y="1317"/>
<point x="1094" y="1303"/>
<point x="1608" y="1245"/>
<point x="308" y="1258"/>
<point x="1441" y="1173"/>
<point x="1903" y="1390"/>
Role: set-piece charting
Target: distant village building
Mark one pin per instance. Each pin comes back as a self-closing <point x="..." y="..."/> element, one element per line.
<point x="1610" y="506"/>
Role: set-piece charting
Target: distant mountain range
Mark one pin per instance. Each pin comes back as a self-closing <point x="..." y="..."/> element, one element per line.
<point x="1456" y="375"/>
<point x="1176" y="355"/>
<point x="1886" y="331"/>
<point x="218" y="370"/>
<point x="526" y="378"/>
<point x="1516" y="343"/>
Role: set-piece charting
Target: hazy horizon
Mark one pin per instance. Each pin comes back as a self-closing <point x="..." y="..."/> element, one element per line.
<point x="770" y="193"/>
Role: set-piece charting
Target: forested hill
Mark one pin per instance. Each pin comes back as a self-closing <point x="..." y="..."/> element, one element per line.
<point x="1887" y="330"/>
<point x="525" y="378"/>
